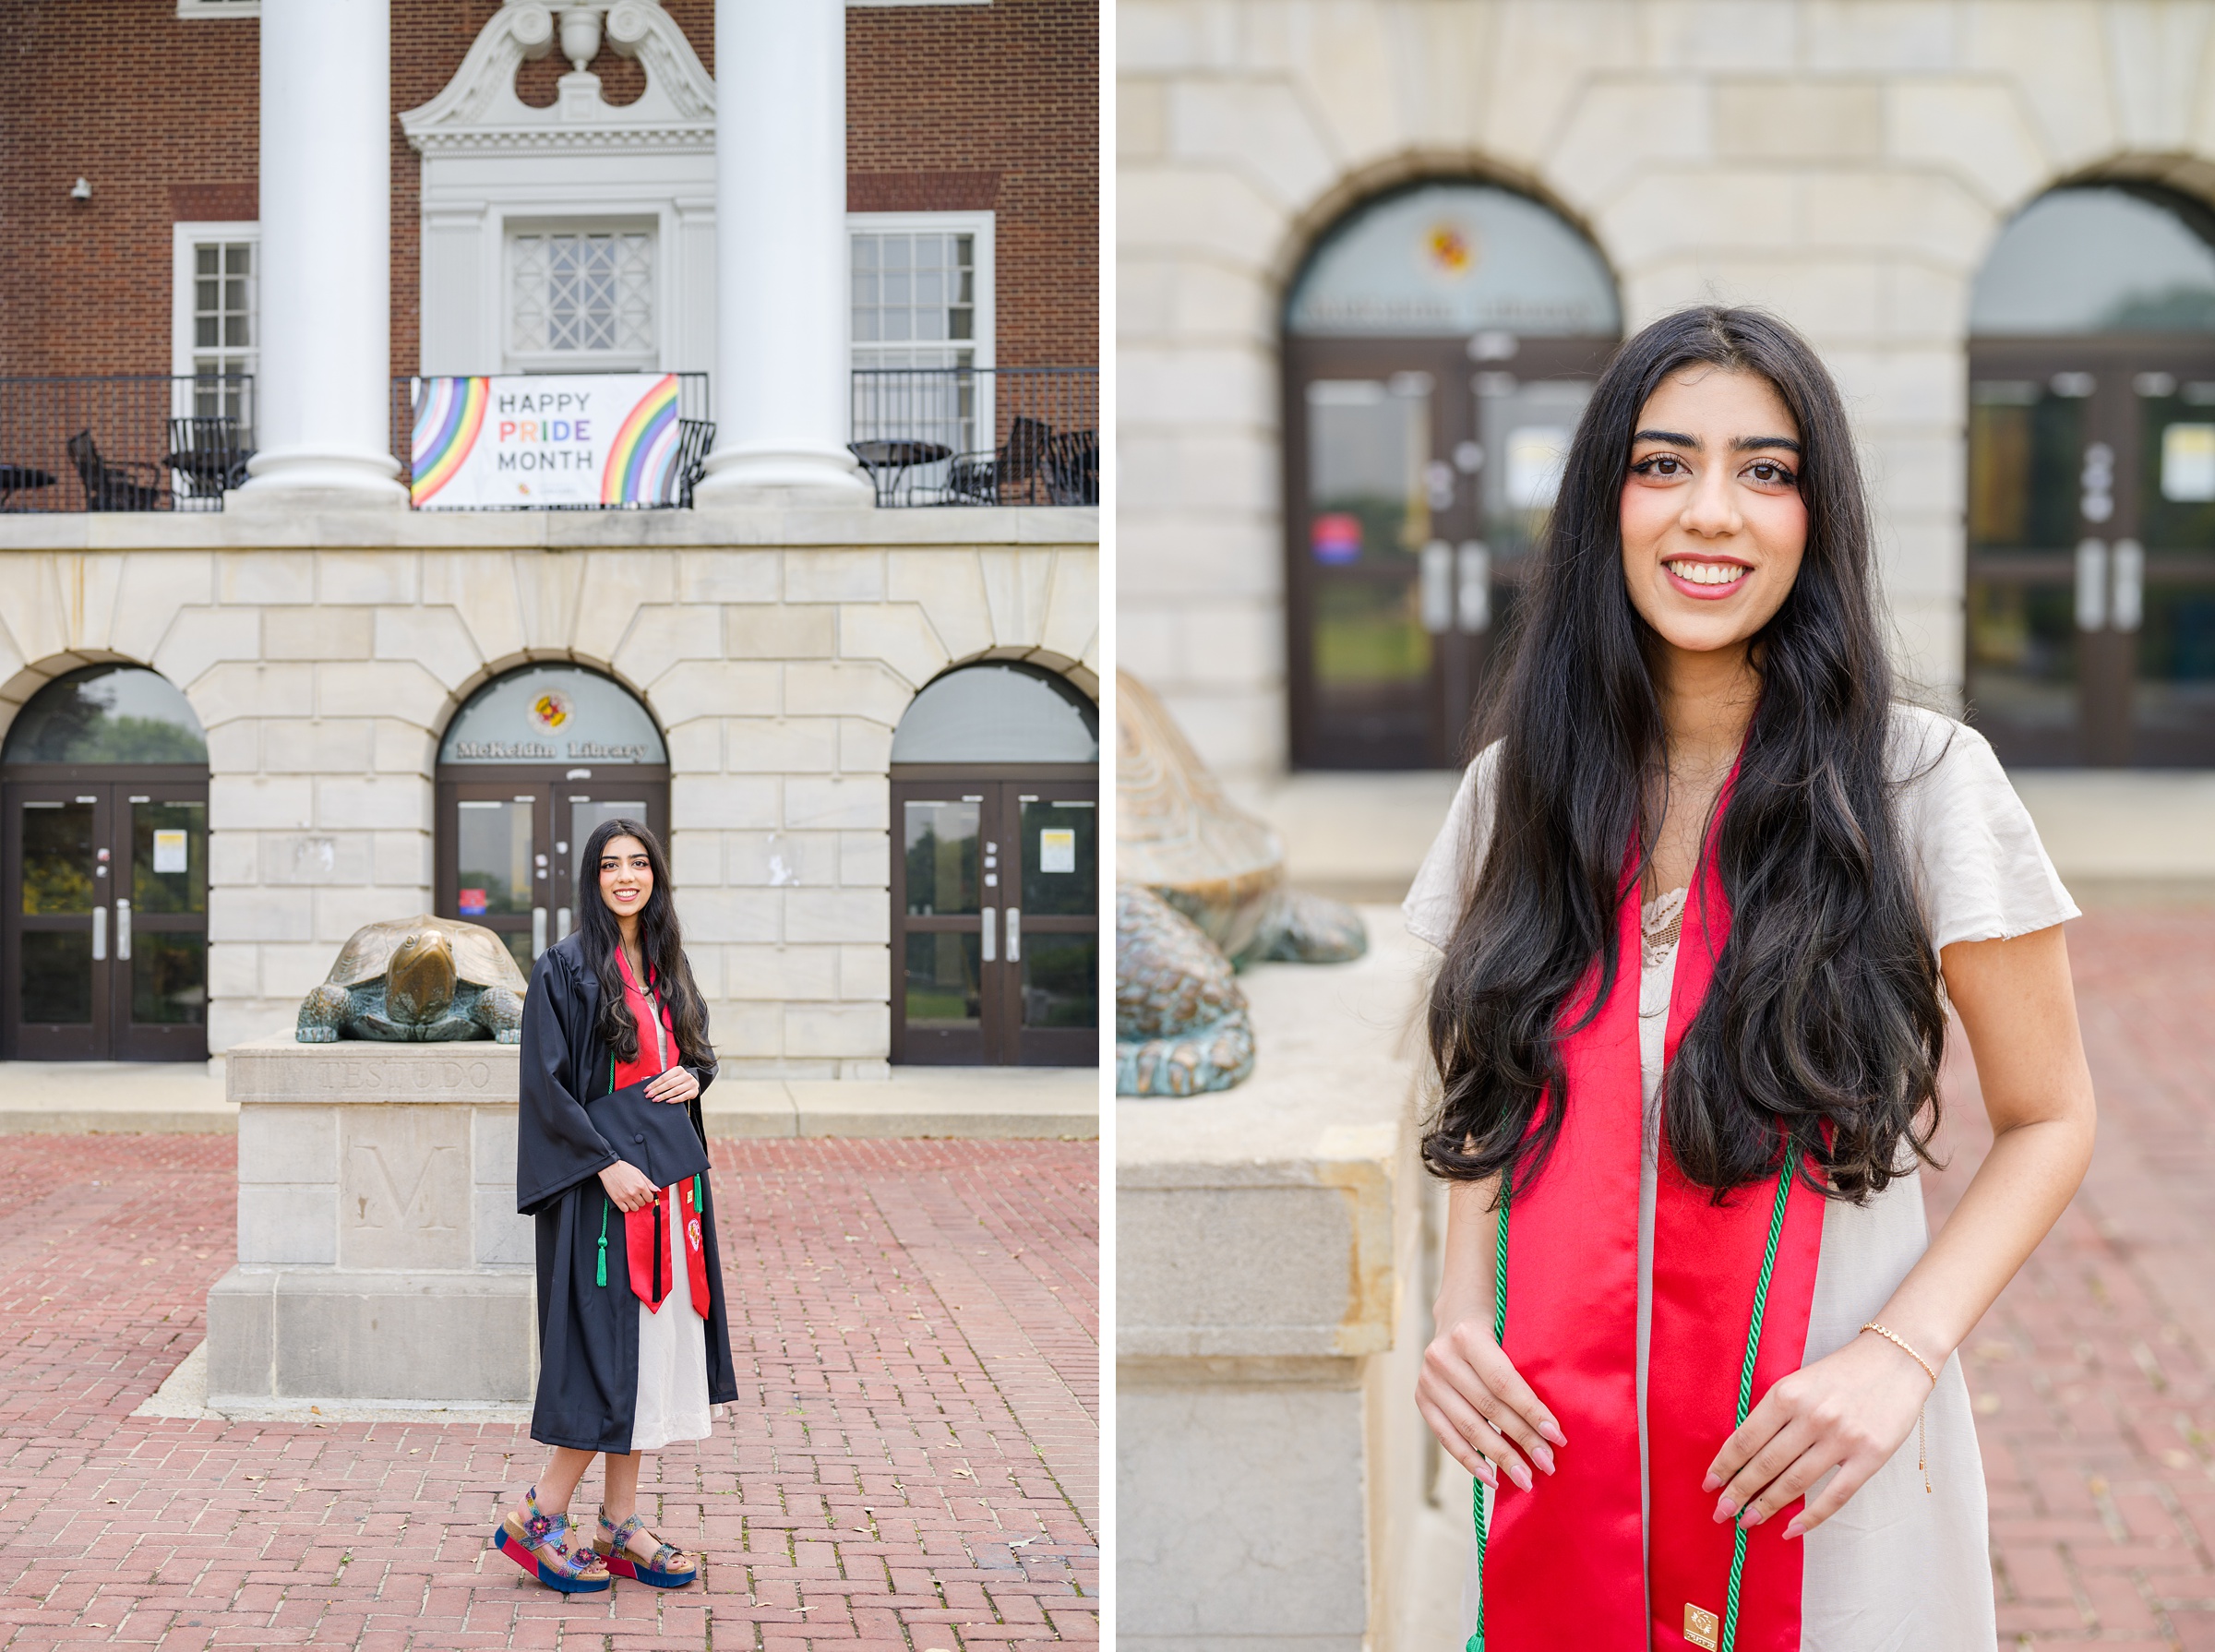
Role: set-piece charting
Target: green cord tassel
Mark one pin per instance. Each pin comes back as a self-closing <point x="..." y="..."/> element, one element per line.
<point x="1746" y="1391"/>
<point x="602" y="1268"/>
<point x="1477" y="1491"/>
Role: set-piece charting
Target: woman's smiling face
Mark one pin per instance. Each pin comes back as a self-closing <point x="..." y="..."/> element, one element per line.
<point x="626" y="876"/>
<point x="1713" y="523"/>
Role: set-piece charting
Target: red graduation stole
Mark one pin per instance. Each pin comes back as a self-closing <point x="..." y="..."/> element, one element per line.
<point x="1562" y="1564"/>
<point x="647" y="1232"/>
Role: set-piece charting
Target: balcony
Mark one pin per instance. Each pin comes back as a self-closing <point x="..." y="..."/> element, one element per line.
<point x="926" y="436"/>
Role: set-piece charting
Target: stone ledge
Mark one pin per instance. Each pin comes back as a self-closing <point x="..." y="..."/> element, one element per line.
<point x="1260" y="1222"/>
<point x="969" y="1103"/>
<point x="278" y="1334"/>
<point x="954" y="527"/>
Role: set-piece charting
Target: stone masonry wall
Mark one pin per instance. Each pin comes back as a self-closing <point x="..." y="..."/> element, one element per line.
<point x="324" y="678"/>
<point x="1846" y="163"/>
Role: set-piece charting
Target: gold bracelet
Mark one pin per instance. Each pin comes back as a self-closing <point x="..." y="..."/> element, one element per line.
<point x="1923" y="1439"/>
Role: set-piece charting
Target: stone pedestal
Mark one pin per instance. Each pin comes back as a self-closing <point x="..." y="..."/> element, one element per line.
<point x="1273" y="1279"/>
<point x="379" y="1254"/>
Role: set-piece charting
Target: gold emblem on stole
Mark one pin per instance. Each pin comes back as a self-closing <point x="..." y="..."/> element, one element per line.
<point x="1701" y="1627"/>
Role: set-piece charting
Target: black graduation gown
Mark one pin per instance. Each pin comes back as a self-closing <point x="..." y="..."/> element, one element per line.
<point x="588" y="1333"/>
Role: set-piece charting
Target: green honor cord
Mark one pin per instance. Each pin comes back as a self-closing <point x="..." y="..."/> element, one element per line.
<point x="1478" y="1494"/>
<point x="1745" y="1398"/>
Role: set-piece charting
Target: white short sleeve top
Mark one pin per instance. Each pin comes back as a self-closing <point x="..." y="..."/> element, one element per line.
<point x="1982" y="873"/>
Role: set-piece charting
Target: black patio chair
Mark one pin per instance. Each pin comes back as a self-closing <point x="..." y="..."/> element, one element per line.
<point x="1072" y="468"/>
<point x="694" y="437"/>
<point x="1015" y="466"/>
<point x="111" y="486"/>
<point x="208" y="449"/>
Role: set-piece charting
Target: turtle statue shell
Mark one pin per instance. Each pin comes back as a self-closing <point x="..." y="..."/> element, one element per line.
<point x="1179" y="834"/>
<point x="417" y="980"/>
<point x="481" y="957"/>
<point x="1202" y="892"/>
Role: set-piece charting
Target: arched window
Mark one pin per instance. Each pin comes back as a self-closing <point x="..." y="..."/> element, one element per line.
<point x="2092" y="481"/>
<point x="103" y="872"/>
<point x="996" y="924"/>
<point x="1439" y="345"/>
<point x="530" y="764"/>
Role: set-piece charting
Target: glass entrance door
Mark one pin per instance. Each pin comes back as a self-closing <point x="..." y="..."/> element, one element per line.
<point x="105" y="939"/>
<point x="509" y="846"/>
<point x="996" y="922"/>
<point x="2092" y="552"/>
<point x="1422" y="474"/>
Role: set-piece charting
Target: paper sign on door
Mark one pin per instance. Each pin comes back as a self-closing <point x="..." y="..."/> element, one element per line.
<point x="169" y="851"/>
<point x="1058" y="850"/>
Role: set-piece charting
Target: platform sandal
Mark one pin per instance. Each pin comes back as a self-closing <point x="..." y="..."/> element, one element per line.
<point x="540" y="1544"/>
<point x="671" y="1567"/>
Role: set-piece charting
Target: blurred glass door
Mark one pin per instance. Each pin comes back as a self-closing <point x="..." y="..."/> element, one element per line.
<point x="1422" y="474"/>
<point x="2091" y="592"/>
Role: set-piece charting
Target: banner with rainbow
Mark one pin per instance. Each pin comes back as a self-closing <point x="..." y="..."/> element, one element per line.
<point x="546" y="439"/>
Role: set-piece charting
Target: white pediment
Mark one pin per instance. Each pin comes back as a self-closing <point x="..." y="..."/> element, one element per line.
<point x="478" y="111"/>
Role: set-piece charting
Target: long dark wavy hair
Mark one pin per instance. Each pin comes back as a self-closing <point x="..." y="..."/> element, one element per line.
<point x="661" y="940"/>
<point x="1822" y="1025"/>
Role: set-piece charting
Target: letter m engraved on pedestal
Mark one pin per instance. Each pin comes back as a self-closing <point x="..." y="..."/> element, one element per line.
<point x="403" y="1200"/>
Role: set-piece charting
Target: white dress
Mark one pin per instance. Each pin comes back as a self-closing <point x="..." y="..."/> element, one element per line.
<point x="673" y="1347"/>
<point x="1896" y="1569"/>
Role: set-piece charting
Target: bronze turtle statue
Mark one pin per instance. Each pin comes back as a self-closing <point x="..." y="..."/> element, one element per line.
<point x="418" y="980"/>
<point x="1207" y="865"/>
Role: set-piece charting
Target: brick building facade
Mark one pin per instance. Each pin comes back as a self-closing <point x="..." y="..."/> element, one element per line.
<point x="991" y="107"/>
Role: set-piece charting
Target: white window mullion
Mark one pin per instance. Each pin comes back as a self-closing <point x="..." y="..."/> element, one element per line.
<point x="922" y="298"/>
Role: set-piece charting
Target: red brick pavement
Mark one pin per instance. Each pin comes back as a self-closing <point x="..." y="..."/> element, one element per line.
<point x="2094" y="1374"/>
<point x="912" y="1464"/>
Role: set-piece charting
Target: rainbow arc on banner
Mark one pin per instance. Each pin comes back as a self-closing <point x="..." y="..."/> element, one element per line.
<point x="447" y="421"/>
<point x="636" y="471"/>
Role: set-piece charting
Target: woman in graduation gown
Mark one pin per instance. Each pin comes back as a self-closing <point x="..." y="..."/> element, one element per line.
<point x="1702" y="905"/>
<point x="634" y="1344"/>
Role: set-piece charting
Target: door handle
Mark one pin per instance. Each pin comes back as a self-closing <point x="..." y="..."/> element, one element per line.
<point x="1437" y="582"/>
<point x="538" y="931"/>
<point x="991" y="934"/>
<point x="100" y="934"/>
<point x="1473" y="601"/>
<point x="2091" y="584"/>
<point x="122" y="930"/>
<point x="2129" y="606"/>
<point x="1015" y="935"/>
<point x="562" y="923"/>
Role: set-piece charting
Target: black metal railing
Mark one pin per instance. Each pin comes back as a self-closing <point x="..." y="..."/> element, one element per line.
<point x="927" y="436"/>
<point x="123" y="441"/>
<point x="980" y="436"/>
<point x="696" y="434"/>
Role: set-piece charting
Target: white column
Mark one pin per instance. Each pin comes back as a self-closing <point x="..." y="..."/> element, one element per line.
<point x="781" y="387"/>
<point x="322" y="414"/>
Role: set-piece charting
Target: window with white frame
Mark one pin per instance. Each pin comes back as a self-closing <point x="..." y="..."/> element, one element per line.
<point x="218" y="8"/>
<point x="580" y="299"/>
<point x="215" y="318"/>
<point x="922" y="323"/>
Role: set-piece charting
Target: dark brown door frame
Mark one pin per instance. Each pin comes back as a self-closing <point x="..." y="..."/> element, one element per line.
<point x="1435" y="733"/>
<point x="2107" y="734"/>
<point x="111" y="1034"/>
<point x="1000" y="1038"/>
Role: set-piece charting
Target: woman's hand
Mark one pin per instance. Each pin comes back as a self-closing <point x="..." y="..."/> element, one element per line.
<point x="1476" y="1403"/>
<point x="1849" y="1411"/>
<point x="676" y="1085"/>
<point x="628" y="1188"/>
